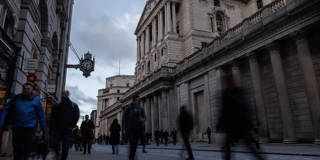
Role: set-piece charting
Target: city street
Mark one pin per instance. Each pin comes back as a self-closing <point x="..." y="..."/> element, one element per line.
<point x="102" y="152"/>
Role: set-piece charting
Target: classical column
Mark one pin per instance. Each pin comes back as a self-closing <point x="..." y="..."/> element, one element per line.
<point x="312" y="87"/>
<point x="154" y="33"/>
<point x="236" y="73"/>
<point x="174" y="17"/>
<point x="164" y="109"/>
<point x="156" y="112"/>
<point x="168" y="17"/>
<point x="160" y="109"/>
<point x="147" y="40"/>
<point x="152" y="115"/>
<point x="160" y="25"/>
<point x="261" y="111"/>
<point x="286" y="113"/>
<point x="142" y="45"/>
<point x="138" y="49"/>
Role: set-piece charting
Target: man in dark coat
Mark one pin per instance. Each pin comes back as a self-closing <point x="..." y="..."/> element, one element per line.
<point x="87" y="128"/>
<point x="157" y="136"/>
<point x="185" y="122"/>
<point x="133" y="124"/>
<point x="166" y="137"/>
<point x="65" y="116"/>
<point x="235" y="120"/>
<point x="209" y="135"/>
<point x="174" y="136"/>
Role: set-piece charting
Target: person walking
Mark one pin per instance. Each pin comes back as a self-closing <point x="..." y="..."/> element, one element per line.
<point x="166" y="137"/>
<point x="115" y="136"/>
<point x="185" y="122"/>
<point x="133" y="125"/>
<point x="64" y="118"/>
<point x="234" y="119"/>
<point x="77" y="139"/>
<point x="174" y="136"/>
<point x="161" y="136"/>
<point x="209" y="135"/>
<point x="87" y="128"/>
<point x="157" y="136"/>
<point x="23" y="112"/>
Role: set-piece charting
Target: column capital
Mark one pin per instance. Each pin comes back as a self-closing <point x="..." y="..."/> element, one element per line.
<point x="274" y="46"/>
<point x="298" y="35"/>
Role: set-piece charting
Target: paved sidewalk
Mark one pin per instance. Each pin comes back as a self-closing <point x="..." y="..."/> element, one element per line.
<point x="273" y="148"/>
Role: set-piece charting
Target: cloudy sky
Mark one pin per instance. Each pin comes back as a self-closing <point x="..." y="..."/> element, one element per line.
<point x="106" y="29"/>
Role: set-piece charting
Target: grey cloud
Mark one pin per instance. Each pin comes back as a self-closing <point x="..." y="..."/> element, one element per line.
<point x="79" y="97"/>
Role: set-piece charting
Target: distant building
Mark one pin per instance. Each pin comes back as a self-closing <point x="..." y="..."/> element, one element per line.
<point x="108" y="102"/>
<point x="271" y="47"/>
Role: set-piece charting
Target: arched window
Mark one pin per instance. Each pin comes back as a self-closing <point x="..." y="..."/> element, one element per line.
<point x="9" y="24"/>
<point x="217" y="3"/>
<point x="220" y="23"/>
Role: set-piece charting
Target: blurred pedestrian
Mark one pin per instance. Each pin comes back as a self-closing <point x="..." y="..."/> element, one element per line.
<point x="107" y="140"/>
<point x="87" y="128"/>
<point x="64" y="118"/>
<point x="133" y="124"/>
<point x="235" y="120"/>
<point x="161" y="136"/>
<point x="174" y="136"/>
<point x="185" y="122"/>
<point x="209" y="135"/>
<point x="166" y="137"/>
<point x="157" y="136"/>
<point x="115" y="136"/>
<point x="76" y="138"/>
<point x="23" y="112"/>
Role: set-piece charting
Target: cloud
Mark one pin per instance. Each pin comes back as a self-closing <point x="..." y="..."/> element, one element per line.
<point x="79" y="97"/>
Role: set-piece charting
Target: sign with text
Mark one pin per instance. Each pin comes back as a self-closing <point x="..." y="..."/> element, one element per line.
<point x="51" y="88"/>
<point x="31" y="64"/>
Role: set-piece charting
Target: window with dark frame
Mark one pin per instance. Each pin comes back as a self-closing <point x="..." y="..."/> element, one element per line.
<point x="220" y="25"/>
<point x="259" y="4"/>
<point x="217" y="3"/>
<point x="211" y="23"/>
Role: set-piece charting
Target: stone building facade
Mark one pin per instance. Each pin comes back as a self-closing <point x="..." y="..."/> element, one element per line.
<point x="109" y="106"/>
<point x="34" y="31"/>
<point x="271" y="47"/>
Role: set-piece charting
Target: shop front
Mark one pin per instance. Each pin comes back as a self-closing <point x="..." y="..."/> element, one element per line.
<point x="7" y="64"/>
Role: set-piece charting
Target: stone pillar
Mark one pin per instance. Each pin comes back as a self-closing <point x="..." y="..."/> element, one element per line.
<point x="160" y="109"/>
<point x="147" y="40"/>
<point x="258" y="94"/>
<point x="286" y="113"/>
<point x="168" y="17"/>
<point x="160" y="25"/>
<point x="138" y="49"/>
<point x="156" y="112"/>
<point x="152" y="115"/>
<point x="142" y="45"/>
<point x="154" y="35"/>
<point x="236" y="73"/>
<point x="312" y="87"/>
<point x="165" y="110"/>
<point x="174" y="17"/>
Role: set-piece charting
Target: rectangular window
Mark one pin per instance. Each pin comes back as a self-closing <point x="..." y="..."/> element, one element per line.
<point x="211" y="24"/>
<point x="118" y="91"/>
<point x="259" y="4"/>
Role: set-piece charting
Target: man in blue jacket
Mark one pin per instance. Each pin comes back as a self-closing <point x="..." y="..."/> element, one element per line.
<point x="23" y="112"/>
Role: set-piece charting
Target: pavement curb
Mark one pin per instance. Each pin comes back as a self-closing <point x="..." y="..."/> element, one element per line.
<point x="239" y="151"/>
